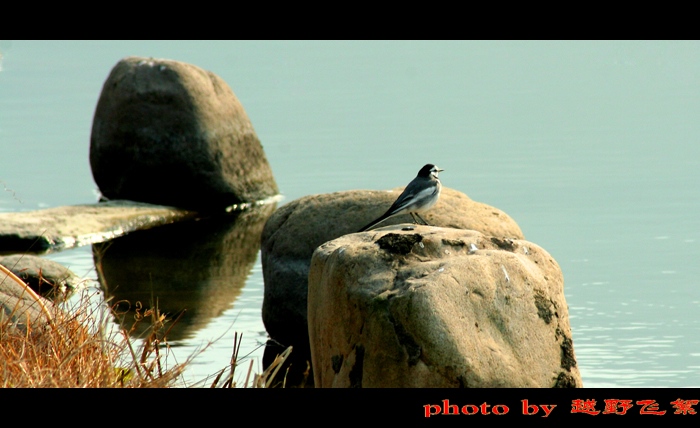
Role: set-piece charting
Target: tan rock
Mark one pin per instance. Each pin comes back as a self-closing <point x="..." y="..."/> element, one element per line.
<point x="295" y="230"/>
<point x="437" y="307"/>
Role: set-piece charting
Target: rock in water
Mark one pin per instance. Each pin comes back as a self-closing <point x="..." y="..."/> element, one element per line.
<point x="295" y="230"/>
<point x="42" y="275"/>
<point x="170" y="133"/>
<point x="437" y="307"/>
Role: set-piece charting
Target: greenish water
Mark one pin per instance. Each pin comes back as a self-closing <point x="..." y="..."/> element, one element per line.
<point x="592" y="147"/>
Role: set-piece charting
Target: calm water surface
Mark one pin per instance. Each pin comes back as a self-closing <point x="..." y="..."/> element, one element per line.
<point x="592" y="147"/>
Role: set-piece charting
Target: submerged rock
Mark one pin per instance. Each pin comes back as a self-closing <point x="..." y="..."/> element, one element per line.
<point x="22" y="310"/>
<point x="42" y="275"/>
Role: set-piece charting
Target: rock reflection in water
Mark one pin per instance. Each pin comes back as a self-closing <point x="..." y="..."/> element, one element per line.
<point x="196" y="266"/>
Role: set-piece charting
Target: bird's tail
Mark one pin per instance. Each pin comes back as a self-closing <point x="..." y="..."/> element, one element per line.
<point x="373" y="223"/>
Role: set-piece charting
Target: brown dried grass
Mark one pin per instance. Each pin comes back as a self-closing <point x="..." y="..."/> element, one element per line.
<point x="76" y="348"/>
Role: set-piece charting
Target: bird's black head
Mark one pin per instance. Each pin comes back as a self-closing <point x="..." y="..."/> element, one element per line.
<point x="429" y="170"/>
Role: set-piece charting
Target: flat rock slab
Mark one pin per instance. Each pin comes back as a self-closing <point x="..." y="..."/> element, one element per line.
<point x="71" y="226"/>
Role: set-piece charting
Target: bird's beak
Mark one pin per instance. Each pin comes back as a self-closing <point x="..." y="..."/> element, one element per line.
<point x="440" y="170"/>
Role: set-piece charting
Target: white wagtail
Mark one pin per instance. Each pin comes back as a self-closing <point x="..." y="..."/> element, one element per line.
<point x="419" y="196"/>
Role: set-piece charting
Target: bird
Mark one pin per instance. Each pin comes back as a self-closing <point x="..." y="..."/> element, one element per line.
<point x="419" y="196"/>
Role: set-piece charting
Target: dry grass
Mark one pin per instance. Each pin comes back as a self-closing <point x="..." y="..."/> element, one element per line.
<point x="264" y="380"/>
<point x="79" y="348"/>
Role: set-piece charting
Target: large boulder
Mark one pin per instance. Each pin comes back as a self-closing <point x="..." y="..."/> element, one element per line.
<point x="170" y="133"/>
<point x="295" y="230"/>
<point x="436" y="307"/>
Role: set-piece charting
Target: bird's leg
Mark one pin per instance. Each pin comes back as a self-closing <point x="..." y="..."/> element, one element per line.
<point x="421" y="218"/>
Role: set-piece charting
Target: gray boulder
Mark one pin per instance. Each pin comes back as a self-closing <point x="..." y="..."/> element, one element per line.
<point x="170" y="133"/>
<point x="437" y="307"/>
